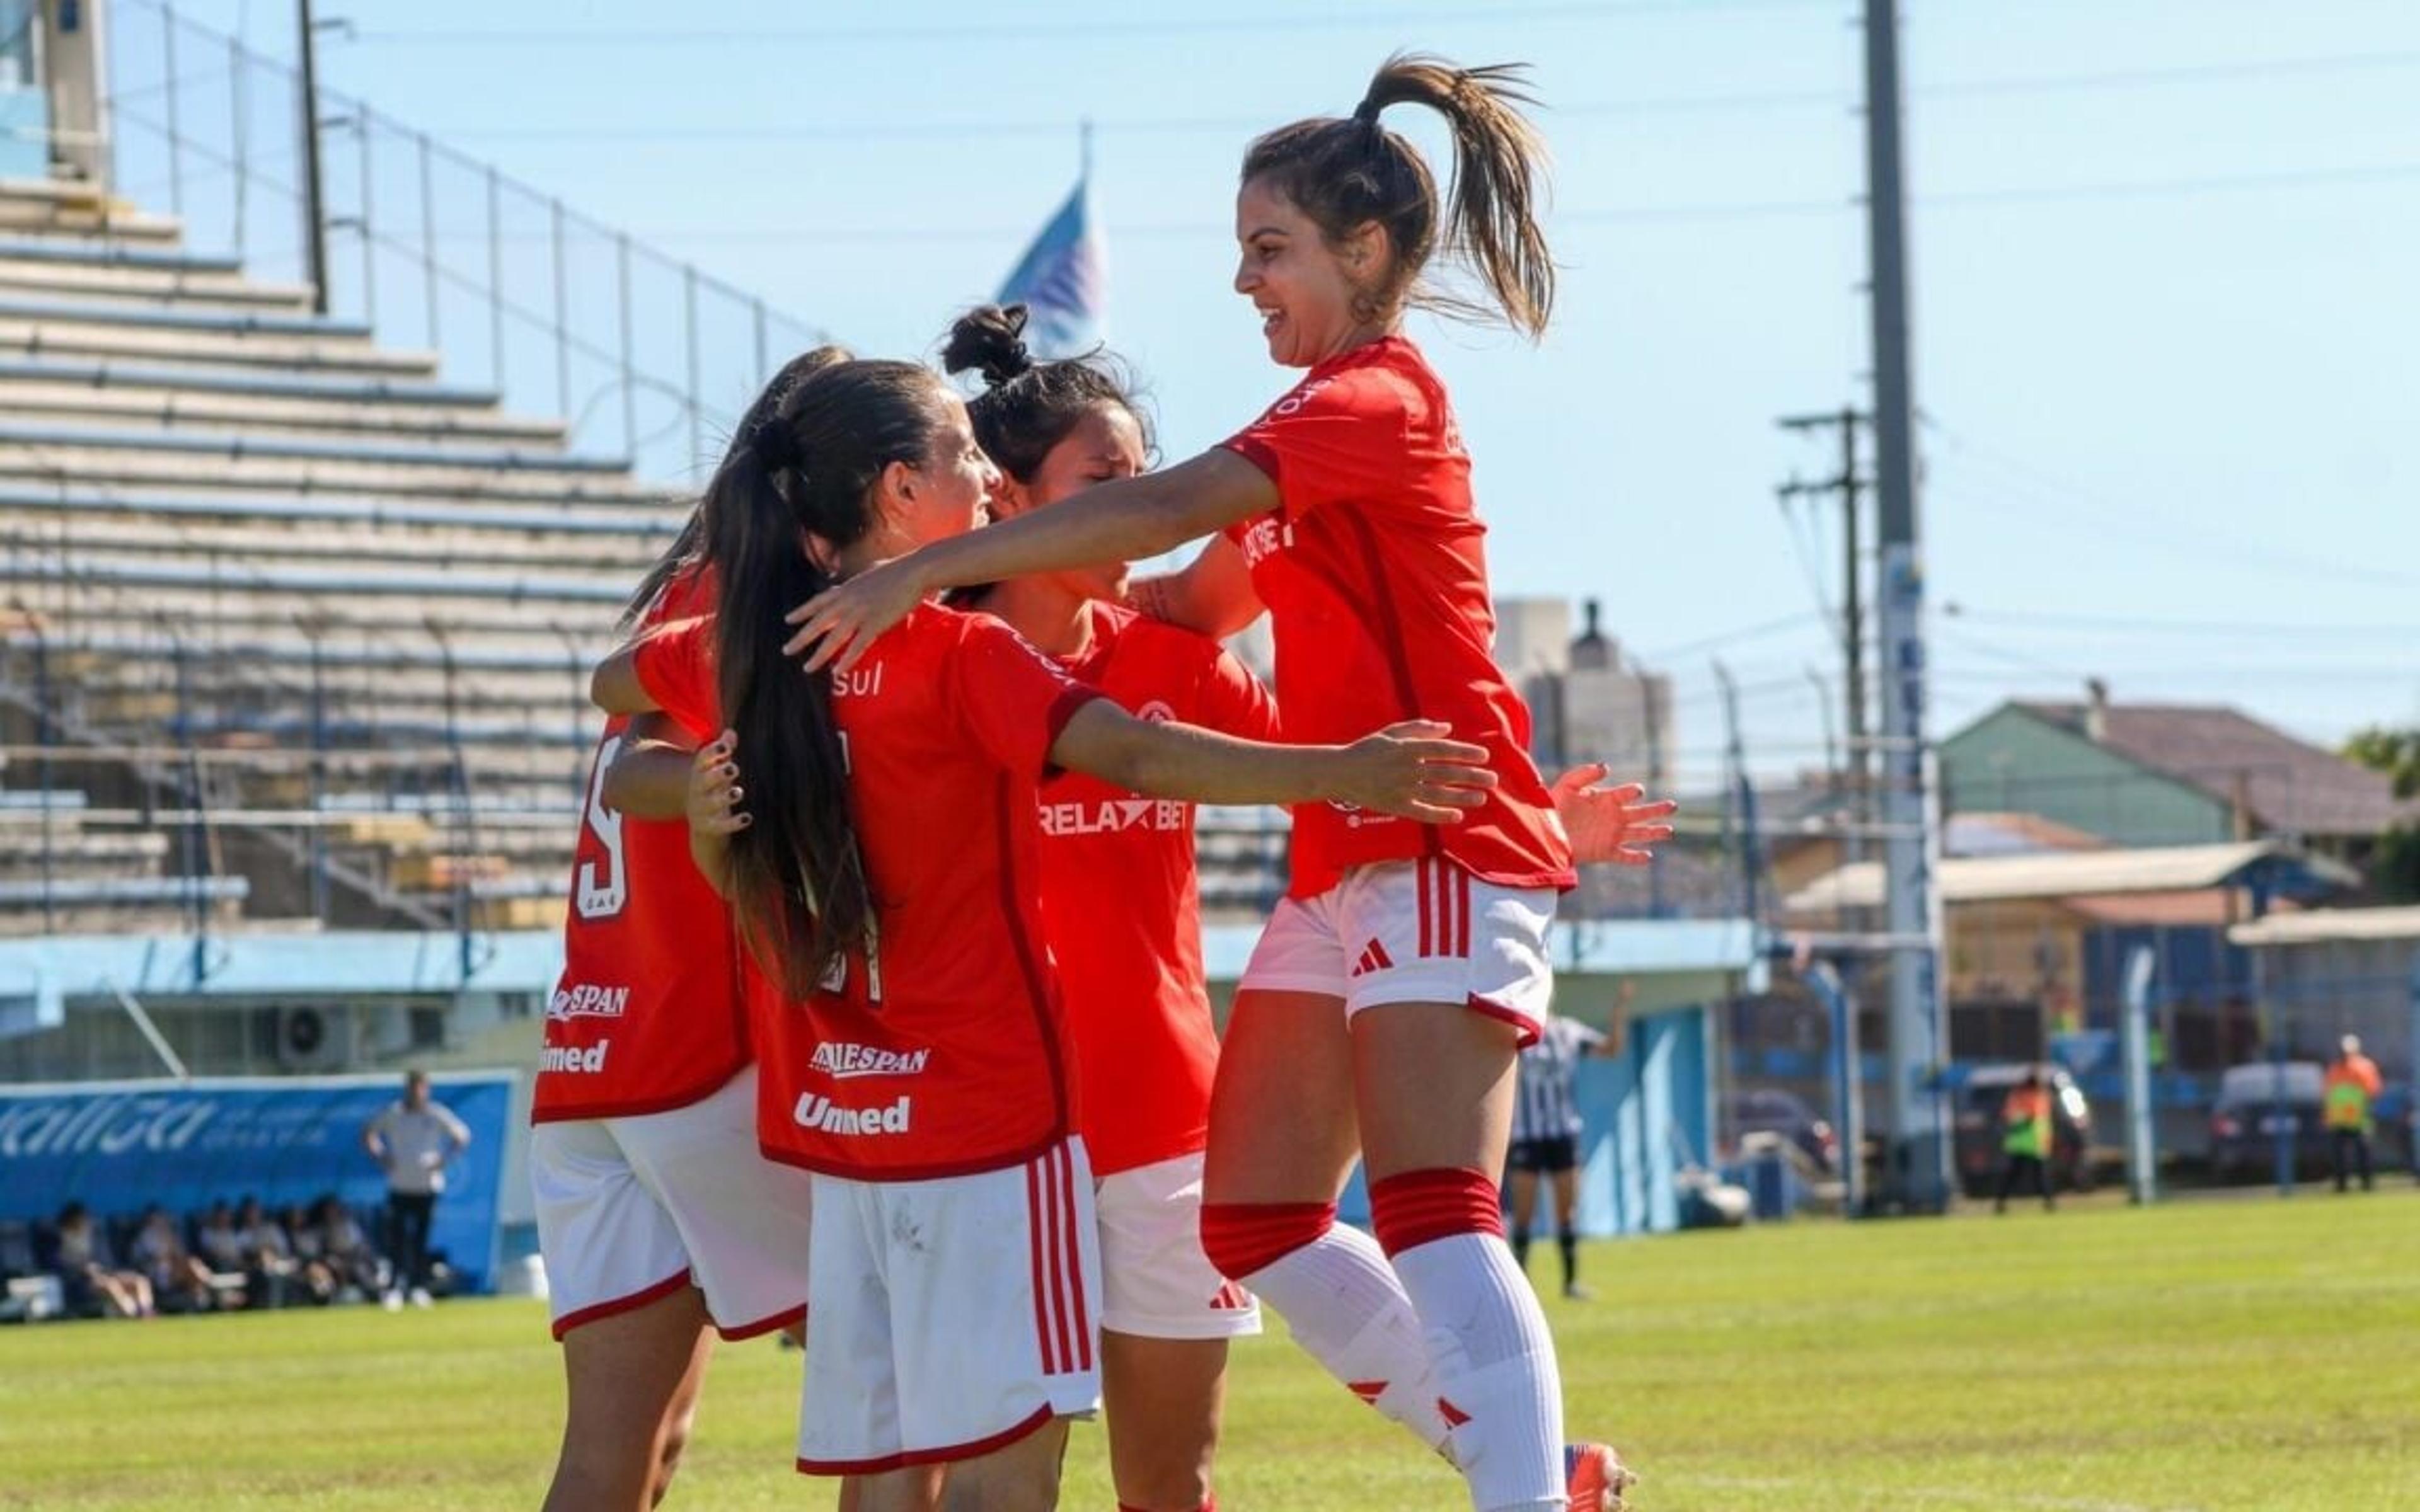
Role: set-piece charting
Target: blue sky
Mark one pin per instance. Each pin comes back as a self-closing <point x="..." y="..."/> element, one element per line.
<point x="2166" y="335"/>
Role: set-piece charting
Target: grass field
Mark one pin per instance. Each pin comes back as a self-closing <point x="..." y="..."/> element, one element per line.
<point x="2218" y="1354"/>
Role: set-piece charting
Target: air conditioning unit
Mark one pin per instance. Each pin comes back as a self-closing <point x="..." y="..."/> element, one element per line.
<point x="313" y="1039"/>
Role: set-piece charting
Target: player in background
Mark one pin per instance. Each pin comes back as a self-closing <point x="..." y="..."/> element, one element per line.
<point x="1546" y="1141"/>
<point x="1397" y="981"/>
<point x="660" y="1225"/>
<point x="1121" y="907"/>
<point x="954" y="1278"/>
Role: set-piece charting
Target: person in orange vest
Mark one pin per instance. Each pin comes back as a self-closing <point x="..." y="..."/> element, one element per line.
<point x="2351" y="1087"/>
<point x="2025" y="1140"/>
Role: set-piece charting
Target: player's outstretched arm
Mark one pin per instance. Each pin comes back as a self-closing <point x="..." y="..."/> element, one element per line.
<point x="1615" y="825"/>
<point x="713" y="806"/>
<point x="1212" y="594"/>
<point x="1410" y="770"/>
<point x="648" y="778"/>
<point x="1117" y="522"/>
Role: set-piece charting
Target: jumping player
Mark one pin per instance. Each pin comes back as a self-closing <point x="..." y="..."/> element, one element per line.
<point x="660" y="1223"/>
<point x="1408" y="964"/>
<point x="1121" y="907"/>
<point x="954" y="1277"/>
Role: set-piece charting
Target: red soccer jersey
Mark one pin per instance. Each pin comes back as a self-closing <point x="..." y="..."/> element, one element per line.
<point x="1122" y="905"/>
<point x="649" y="1013"/>
<point x="944" y="1049"/>
<point x="1376" y="586"/>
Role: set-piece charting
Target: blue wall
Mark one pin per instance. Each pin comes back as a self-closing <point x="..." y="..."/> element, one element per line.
<point x="118" y="1146"/>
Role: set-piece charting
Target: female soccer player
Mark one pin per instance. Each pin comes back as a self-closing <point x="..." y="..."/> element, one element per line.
<point x="659" y="1223"/>
<point x="1397" y="981"/>
<point x="885" y="870"/>
<point x="1121" y="909"/>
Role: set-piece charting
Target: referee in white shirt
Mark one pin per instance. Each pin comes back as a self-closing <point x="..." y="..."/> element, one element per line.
<point x="1546" y="1139"/>
<point x="412" y="1141"/>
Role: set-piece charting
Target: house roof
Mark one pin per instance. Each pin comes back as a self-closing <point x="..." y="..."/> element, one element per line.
<point x="2291" y="786"/>
<point x="2062" y="874"/>
<point x="2321" y="925"/>
<point x="1978" y="833"/>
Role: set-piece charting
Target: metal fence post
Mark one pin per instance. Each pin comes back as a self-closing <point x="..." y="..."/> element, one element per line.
<point x="696" y="415"/>
<point x="630" y="367"/>
<point x="242" y="138"/>
<point x="369" y="238"/>
<point x="428" y="236"/>
<point x="168" y="84"/>
<point x="496" y="279"/>
<point x="562" y="318"/>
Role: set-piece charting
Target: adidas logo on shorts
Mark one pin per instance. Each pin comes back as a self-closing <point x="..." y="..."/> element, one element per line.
<point x="1374" y="958"/>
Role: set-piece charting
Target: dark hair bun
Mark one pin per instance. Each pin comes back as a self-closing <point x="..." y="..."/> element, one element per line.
<point x="989" y="339"/>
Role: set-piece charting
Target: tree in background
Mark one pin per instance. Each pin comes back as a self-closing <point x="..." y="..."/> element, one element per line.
<point x="2396" y="868"/>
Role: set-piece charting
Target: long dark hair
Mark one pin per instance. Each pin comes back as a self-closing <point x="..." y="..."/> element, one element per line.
<point x="1347" y="172"/>
<point x="1028" y="406"/>
<point x="799" y="883"/>
<point x="685" y="547"/>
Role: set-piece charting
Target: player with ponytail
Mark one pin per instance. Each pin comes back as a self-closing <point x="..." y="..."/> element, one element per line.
<point x="1384" y="1008"/>
<point x="882" y="857"/>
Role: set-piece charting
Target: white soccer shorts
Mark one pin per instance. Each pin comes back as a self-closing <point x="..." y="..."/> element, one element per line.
<point x="631" y="1209"/>
<point x="1413" y="931"/>
<point x="952" y="1316"/>
<point x="1157" y="1282"/>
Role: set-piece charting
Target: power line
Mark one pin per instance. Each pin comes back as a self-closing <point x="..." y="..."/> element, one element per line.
<point x="2097" y="513"/>
<point x="2098" y="624"/>
<point x="956" y="133"/>
<point x="1729" y="637"/>
<point x="1055" y="31"/>
<point x="1602" y="215"/>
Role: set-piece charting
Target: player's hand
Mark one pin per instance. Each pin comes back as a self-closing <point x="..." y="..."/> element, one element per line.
<point x="714" y="790"/>
<point x="1412" y="771"/>
<point x="837" y="625"/>
<point x="1609" y="825"/>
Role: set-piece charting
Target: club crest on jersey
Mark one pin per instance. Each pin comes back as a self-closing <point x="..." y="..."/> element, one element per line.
<point x="822" y="1115"/>
<point x="842" y="1061"/>
<point x="586" y="1000"/>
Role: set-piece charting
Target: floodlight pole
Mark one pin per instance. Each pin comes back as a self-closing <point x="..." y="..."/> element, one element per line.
<point x="1916" y="1171"/>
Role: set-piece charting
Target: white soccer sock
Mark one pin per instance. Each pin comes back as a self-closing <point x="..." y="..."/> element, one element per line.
<point x="1345" y="1305"/>
<point x="1495" y="1367"/>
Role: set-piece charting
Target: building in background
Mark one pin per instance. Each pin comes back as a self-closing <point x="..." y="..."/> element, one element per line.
<point x="2151" y="774"/>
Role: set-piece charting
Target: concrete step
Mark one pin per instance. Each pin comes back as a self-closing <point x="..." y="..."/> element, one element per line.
<point x="90" y="539"/>
<point x="221" y="470"/>
<point x="382" y="451"/>
<point x="173" y="318"/>
<point x="75" y="608"/>
<point x="653" y="518"/>
<point x="60" y="207"/>
<point x="24" y="335"/>
<point x="50" y="278"/>
<point x="575" y="597"/>
<point x="260" y="383"/>
<point x="176" y="408"/>
<point x="113" y="254"/>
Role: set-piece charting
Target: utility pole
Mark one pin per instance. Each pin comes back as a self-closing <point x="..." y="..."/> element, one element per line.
<point x="1915" y="1170"/>
<point x="315" y="219"/>
<point x="1847" y="486"/>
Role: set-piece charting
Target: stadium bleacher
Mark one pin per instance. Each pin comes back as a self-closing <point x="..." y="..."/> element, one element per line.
<point x="295" y="627"/>
<point x="271" y="576"/>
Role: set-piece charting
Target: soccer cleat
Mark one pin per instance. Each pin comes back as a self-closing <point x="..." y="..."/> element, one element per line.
<point x="392" y="1302"/>
<point x="1595" y="1477"/>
